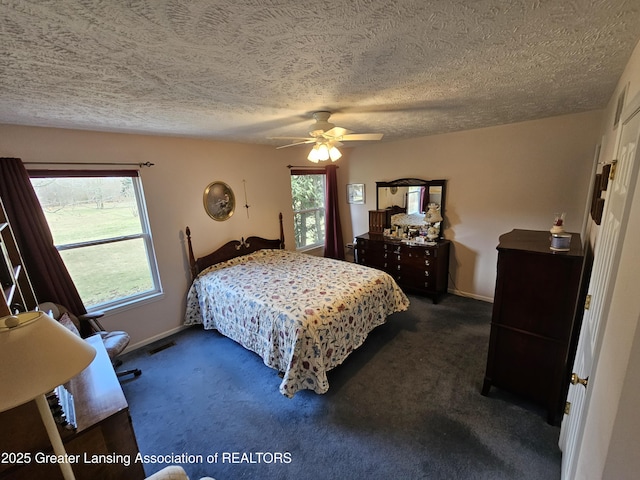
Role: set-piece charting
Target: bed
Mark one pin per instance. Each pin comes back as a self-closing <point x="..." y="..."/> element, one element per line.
<point x="302" y="314"/>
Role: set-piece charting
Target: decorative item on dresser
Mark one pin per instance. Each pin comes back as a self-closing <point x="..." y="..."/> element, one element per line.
<point x="405" y="235"/>
<point x="536" y="318"/>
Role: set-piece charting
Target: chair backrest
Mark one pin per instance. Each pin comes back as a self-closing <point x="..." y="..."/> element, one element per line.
<point x="56" y="311"/>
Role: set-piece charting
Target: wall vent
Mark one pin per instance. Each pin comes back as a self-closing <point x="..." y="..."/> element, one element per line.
<point x="162" y="347"/>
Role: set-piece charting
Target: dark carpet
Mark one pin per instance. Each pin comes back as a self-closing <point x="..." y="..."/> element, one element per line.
<point x="406" y="405"/>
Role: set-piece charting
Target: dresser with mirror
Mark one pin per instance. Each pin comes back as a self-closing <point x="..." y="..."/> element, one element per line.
<point x="405" y="237"/>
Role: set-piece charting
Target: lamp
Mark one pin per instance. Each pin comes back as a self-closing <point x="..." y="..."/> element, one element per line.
<point x="433" y="218"/>
<point x="38" y="354"/>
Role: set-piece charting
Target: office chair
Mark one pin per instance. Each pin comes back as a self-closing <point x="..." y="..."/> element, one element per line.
<point x="86" y="325"/>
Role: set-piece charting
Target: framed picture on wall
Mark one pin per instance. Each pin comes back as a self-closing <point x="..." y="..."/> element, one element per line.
<point x="355" y="193"/>
<point x="219" y="201"/>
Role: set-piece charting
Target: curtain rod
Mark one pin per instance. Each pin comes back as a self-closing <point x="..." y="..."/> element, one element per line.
<point x="308" y="166"/>
<point x="145" y="164"/>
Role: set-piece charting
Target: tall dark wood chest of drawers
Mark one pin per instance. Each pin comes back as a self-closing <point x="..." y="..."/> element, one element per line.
<point x="535" y="320"/>
<point x="418" y="268"/>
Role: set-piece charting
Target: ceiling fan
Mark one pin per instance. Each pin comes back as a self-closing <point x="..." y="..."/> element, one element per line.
<point x="327" y="137"/>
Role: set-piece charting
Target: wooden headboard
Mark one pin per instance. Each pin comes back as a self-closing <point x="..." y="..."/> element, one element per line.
<point x="390" y="211"/>
<point x="232" y="249"/>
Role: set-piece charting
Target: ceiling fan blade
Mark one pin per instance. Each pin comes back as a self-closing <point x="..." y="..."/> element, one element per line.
<point x="336" y="132"/>
<point x="291" y="138"/>
<point x="297" y="143"/>
<point x="362" y="136"/>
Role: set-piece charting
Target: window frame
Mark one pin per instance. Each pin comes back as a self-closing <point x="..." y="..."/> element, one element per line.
<point x="311" y="171"/>
<point x="145" y="235"/>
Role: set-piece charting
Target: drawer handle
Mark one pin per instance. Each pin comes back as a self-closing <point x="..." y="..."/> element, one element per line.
<point x="398" y="267"/>
<point x="427" y="263"/>
<point x="427" y="253"/>
<point x="426" y="273"/>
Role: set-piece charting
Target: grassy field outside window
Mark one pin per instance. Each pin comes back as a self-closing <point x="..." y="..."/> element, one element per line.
<point x="102" y="238"/>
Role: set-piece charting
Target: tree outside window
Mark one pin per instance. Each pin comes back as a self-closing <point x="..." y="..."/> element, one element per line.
<point x="308" y="192"/>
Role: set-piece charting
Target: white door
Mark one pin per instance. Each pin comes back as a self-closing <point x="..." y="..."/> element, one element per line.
<point x="606" y="258"/>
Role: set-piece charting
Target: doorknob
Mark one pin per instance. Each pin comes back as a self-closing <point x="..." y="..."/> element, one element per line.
<point x="575" y="379"/>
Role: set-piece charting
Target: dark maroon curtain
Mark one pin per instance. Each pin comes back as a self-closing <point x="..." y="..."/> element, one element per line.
<point x="424" y="199"/>
<point x="49" y="276"/>
<point x="333" y="245"/>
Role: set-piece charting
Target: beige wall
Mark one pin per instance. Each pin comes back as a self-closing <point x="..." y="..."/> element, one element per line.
<point x="173" y="190"/>
<point x="498" y="179"/>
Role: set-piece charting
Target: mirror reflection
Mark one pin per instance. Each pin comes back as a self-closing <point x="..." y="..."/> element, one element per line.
<point x="412" y="204"/>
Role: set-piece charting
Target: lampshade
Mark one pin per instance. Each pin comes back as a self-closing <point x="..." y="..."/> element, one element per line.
<point x="433" y="213"/>
<point x="36" y="355"/>
<point x="334" y="154"/>
<point x="323" y="152"/>
<point x="313" y="154"/>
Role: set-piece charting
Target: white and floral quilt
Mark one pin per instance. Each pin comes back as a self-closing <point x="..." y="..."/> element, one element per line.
<point x="302" y="314"/>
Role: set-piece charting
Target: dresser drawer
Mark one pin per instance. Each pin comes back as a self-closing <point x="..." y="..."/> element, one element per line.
<point x="422" y="268"/>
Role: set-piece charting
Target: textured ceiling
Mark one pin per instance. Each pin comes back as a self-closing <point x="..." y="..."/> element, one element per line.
<point x="245" y="70"/>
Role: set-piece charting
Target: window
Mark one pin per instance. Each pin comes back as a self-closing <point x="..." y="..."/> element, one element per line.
<point x="414" y="199"/>
<point x="308" y="193"/>
<point x="99" y="225"/>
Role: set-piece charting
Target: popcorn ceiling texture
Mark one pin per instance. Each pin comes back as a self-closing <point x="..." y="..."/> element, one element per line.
<point x="246" y="70"/>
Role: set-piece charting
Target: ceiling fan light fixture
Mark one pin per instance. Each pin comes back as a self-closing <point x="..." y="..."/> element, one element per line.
<point x="314" y="155"/>
<point x="323" y="152"/>
<point x="326" y="138"/>
<point x="334" y="153"/>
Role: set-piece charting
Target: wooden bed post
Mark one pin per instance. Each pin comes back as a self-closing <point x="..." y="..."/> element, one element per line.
<point x="281" y="232"/>
<point x="192" y="259"/>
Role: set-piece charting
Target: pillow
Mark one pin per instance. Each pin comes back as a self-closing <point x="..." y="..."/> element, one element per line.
<point x="67" y="322"/>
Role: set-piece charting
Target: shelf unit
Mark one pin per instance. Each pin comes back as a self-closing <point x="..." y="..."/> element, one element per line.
<point x="17" y="292"/>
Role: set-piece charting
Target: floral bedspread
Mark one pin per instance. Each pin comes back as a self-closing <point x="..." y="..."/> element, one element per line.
<point x="302" y="314"/>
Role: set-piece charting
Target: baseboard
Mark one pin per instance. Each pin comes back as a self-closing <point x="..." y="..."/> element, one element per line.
<point x="454" y="291"/>
<point x="155" y="338"/>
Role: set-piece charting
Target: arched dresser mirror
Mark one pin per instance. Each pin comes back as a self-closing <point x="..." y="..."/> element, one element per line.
<point x="407" y="200"/>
